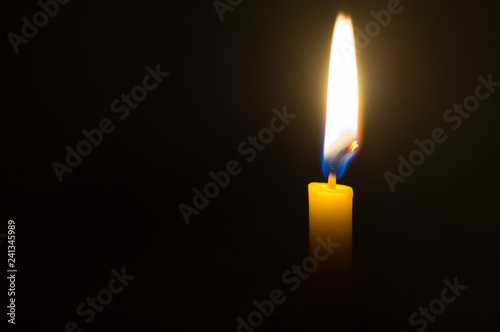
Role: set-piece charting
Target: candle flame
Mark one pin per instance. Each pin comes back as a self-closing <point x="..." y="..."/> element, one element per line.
<point x="341" y="131"/>
<point x="353" y="146"/>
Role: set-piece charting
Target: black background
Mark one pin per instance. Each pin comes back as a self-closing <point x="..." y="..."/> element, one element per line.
<point x="119" y="207"/>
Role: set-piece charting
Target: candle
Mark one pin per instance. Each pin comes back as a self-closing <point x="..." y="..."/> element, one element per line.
<point x="330" y="218"/>
<point x="330" y="204"/>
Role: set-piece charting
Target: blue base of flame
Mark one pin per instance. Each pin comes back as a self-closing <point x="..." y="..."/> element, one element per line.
<point x="340" y="168"/>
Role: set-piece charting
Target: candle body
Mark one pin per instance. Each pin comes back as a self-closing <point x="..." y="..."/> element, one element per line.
<point x="330" y="232"/>
<point x="330" y="215"/>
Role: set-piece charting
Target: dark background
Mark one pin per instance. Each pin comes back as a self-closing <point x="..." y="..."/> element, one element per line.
<point x="119" y="207"/>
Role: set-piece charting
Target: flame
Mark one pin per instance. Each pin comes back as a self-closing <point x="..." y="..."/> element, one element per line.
<point x="353" y="146"/>
<point x="341" y="131"/>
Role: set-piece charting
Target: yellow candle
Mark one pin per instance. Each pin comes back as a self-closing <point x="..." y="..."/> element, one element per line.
<point x="330" y="219"/>
<point x="330" y="227"/>
<point x="330" y="204"/>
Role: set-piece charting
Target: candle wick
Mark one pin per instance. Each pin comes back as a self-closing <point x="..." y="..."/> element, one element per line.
<point x="332" y="178"/>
